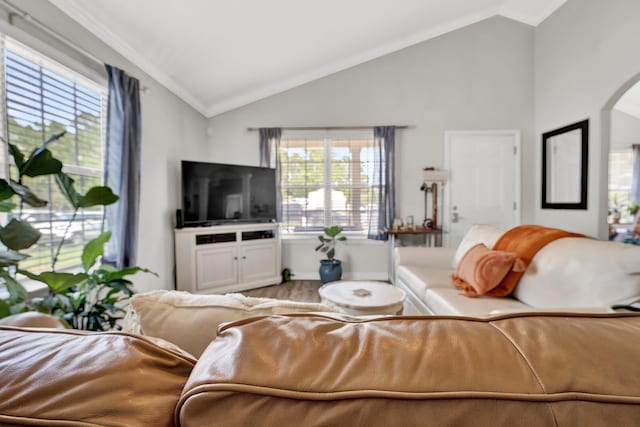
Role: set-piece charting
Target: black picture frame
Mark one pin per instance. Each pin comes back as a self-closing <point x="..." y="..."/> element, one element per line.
<point x="583" y="126"/>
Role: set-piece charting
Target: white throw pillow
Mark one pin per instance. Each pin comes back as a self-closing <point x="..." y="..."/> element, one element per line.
<point x="478" y="233"/>
<point x="581" y="272"/>
<point x="191" y="320"/>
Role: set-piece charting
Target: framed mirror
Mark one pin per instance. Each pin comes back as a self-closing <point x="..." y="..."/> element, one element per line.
<point x="565" y="156"/>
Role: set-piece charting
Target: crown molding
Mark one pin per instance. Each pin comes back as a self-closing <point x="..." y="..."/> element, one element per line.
<point x="332" y="68"/>
<point x="79" y="15"/>
<point x="516" y="14"/>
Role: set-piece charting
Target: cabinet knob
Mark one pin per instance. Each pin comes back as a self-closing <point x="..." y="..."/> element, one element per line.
<point x="235" y="257"/>
<point x="244" y="257"/>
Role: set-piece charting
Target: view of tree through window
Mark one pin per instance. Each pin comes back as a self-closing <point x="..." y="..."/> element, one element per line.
<point x="43" y="98"/>
<point x="327" y="181"/>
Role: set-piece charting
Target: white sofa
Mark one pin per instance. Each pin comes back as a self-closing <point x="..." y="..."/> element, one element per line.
<point x="569" y="274"/>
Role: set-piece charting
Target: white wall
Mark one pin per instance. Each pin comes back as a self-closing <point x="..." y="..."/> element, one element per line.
<point x="479" y="77"/>
<point x="584" y="53"/>
<point x="625" y="130"/>
<point x="171" y="130"/>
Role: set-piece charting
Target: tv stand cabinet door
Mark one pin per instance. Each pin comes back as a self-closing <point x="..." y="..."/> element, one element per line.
<point x="258" y="261"/>
<point x="216" y="267"/>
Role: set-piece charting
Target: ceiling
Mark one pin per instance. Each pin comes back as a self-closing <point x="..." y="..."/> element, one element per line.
<point x="219" y="55"/>
<point x="630" y="102"/>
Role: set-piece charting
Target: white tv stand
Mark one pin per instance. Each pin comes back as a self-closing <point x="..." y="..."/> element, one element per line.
<point x="227" y="258"/>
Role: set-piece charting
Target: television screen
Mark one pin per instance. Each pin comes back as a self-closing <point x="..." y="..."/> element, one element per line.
<point x="214" y="193"/>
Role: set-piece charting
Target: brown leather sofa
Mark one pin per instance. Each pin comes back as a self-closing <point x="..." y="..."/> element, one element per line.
<point x="315" y="370"/>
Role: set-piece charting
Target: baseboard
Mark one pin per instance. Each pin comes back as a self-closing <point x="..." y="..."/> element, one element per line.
<point x="383" y="276"/>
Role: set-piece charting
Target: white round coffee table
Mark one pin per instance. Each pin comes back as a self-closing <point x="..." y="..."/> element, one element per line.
<point x="361" y="298"/>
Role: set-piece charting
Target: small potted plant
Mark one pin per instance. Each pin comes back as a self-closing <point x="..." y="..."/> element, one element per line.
<point x="330" y="268"/>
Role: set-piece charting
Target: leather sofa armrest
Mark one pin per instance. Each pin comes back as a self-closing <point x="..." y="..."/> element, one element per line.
<point x="432" y="257"/>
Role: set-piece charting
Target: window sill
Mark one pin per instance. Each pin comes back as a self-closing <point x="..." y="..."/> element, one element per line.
<point x="34" y="288"/>
<point x="303" y="238"/>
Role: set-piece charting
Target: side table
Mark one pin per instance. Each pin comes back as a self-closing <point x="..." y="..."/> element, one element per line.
<point x="363" y="298"/>
<point x="432" y="237"/>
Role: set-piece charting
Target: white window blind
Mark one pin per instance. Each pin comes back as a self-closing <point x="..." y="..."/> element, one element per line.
<point x="327" y="179"/>
<point x="43" y="98"/>
<point x="620" y="175"/>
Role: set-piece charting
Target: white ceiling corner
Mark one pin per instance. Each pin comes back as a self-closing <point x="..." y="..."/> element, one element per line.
<point x="87" y="20"/>
<point x="629" y="103"/>
<point x="216" y="57"/>
<point x="334" y="67"/>
<point x="528" y="12"/>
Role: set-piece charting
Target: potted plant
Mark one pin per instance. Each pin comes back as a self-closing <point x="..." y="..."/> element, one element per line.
<point x="330" y="268"/>
<point x="616" y="206"/>
<point x="91" y="299"/>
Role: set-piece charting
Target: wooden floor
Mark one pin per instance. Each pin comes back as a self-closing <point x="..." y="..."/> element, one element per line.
<point x="295" y="290"/>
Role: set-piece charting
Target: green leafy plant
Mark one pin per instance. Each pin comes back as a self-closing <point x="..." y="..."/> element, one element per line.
<point x="91" y="304"/>
<point x="633" y="209"/>
<point x="85" y="300"/>
<point x="329" y="239"/>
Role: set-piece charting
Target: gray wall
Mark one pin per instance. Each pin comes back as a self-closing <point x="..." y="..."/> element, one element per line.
<point x="585" y="53"/>
<point x="171" y="130"/>
<point x="479" y="77"/>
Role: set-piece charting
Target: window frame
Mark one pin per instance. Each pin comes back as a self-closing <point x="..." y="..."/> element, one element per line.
<point x="328" y="136"/>
<point x="81" y="83"/>
<point x="620" y="150"/>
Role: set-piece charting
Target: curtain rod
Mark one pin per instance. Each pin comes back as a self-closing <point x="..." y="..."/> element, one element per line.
<point x="330" y="128"/>
<point x="17" y="12"/>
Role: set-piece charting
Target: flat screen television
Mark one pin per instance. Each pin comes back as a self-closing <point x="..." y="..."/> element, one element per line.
<point x="215" y="193"/>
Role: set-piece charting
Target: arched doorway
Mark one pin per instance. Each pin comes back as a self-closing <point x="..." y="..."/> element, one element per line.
<point x="621" y="149"/>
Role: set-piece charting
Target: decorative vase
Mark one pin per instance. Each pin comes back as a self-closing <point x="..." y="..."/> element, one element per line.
<point x="330" y="270"/>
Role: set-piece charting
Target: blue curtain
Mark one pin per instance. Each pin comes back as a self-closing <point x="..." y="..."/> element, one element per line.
<point x="269" y="144"/>
<point x="381" y="216"/>
<point x="122" y="166"/>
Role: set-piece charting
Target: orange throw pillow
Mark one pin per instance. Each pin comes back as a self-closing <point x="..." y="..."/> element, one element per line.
<point x="481" y="269"/>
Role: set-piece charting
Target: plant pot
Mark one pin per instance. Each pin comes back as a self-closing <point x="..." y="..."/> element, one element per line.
<point x="330" y="270"/>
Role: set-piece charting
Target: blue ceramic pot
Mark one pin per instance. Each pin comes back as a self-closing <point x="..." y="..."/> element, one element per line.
<point x="330" y="270"/>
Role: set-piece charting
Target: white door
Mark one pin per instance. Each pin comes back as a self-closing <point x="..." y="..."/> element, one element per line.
<point x="484" y="183"/>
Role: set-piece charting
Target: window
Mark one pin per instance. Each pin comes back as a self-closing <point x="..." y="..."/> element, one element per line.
<point x="620" y="172"/>
<point x="327" y="179"/>
<point x="44" y="98"/>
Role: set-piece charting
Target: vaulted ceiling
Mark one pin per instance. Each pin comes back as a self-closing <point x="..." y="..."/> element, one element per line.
<point x="219" y="55"/>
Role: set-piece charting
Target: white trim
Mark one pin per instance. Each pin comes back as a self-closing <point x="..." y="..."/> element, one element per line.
<point x="79" y="14"/>
<point x="21" y="36"/>
<point x="310" y="238"/>
<point x="514" y="13"/>
<point x="627" y="107"/>
<point x="331" y="68"/>
<point x="517" y="171"/>
<point x="347" y="275"/>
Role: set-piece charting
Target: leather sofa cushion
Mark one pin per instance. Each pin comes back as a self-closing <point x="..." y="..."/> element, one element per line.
<point x="547" y="370"/>
<point x="62" y="377"/>
<point x="191" y="321"/>
<point x="31" y="319"/>
<point x="451" y="302"/>
<point x="578" y="272"/>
